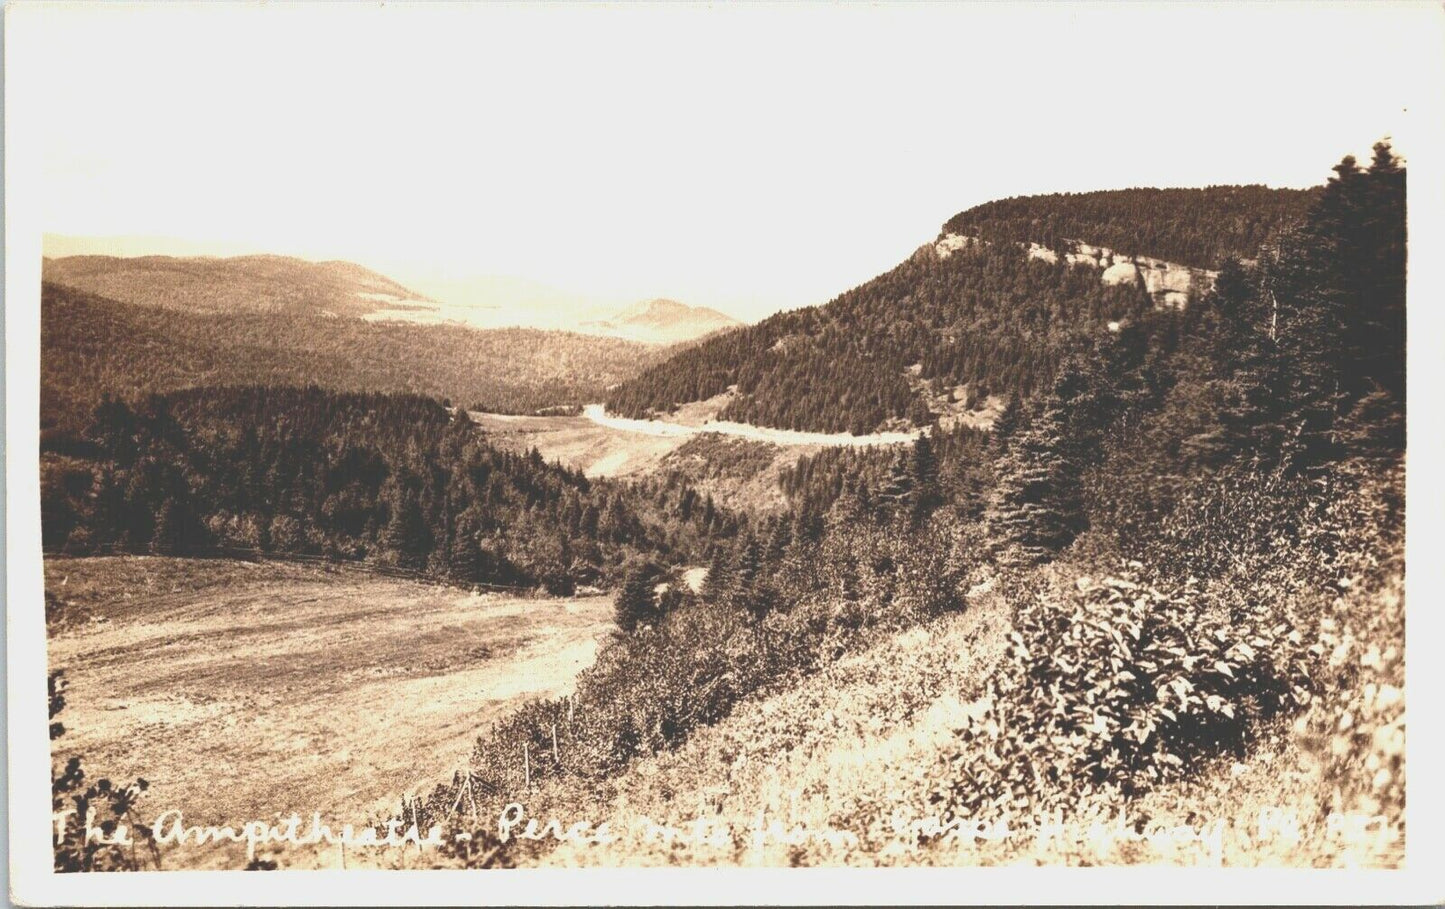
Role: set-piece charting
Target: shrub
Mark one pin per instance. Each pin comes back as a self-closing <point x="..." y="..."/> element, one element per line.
<point x="1113" y="688"/>
<point x="1357" y="732"/>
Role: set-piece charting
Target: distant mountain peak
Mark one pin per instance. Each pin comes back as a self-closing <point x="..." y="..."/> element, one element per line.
<point x="656" y="306"/>
<point x="662" y="310"/>
<point x="663" y="321"/>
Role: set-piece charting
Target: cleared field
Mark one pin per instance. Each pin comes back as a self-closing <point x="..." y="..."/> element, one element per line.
<point x="691" y="441"/>
<point x="602" y="445"/>
<point x="581" y="444"/>
<point x="248" y="691"/>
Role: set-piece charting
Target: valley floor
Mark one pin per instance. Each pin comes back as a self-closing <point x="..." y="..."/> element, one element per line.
<point x="605" y="445"/>
<point x="692" y="442"/>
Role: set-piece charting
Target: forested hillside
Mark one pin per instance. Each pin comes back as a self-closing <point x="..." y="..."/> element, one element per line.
<point x="391" y="479"/>
<point x="1195" y="530"/>
<point x="986" y="316"/>
<point x="257" y="284"/>
<point x="92" y="346"/>
<point x="1201" y="228"/>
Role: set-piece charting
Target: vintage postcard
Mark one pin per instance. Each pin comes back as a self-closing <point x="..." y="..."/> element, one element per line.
<point x="713" y="453"/>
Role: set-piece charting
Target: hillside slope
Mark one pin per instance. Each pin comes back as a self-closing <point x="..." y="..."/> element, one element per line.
<point x="962" y="319"/>
<point x="262" y="284"/>
<point x="844" y="769"/>
<point x="1194" y="541"/>
<point x="93" y="346"/>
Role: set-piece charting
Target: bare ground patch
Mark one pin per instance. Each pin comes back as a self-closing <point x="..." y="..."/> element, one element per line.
<point x="246" y="691"/>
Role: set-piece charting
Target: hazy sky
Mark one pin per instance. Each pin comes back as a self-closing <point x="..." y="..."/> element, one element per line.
<point x="748" y="158"/>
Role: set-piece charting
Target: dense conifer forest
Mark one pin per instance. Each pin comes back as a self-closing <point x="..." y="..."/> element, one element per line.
<point x="983" y="316"/>
<point x="390" y="479"/>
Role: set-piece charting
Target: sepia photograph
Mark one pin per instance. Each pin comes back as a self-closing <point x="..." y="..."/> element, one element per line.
<point x="623" y="436"/>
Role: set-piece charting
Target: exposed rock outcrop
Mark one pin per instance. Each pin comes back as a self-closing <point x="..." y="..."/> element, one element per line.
<point x="1168" y="283"/>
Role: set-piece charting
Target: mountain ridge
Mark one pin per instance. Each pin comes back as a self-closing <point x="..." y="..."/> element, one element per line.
<point x="964" y="320"/>
<point x="259" y="282"/>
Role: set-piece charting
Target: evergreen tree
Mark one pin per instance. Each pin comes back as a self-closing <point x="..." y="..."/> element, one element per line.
<point x="636" y="603"/>
<point x="897" y="494"/>
<point x="1251" y="421"/>
<point x="1007" y="423"/>
<point x="177" y="530"/>
<point x="780" y="535"/>
<point x="1338" y="285"/>
<point x="924" y="475"/>
<point x="465" y="560"/>
<point x="1037" y="508"/>
<point x="406" y="538"/>
<point x="717" y="586"/>
<point x="748" y="590"/>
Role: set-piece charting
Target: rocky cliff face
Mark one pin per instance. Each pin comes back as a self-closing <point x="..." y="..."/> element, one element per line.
<point x="1169" y="283"/>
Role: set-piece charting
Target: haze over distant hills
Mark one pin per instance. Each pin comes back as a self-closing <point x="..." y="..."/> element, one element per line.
<point x="661" y="321"/>
<point x="133" y="326"/>
<point x="179" y="274"/>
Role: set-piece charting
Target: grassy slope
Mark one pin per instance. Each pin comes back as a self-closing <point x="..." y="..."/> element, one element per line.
<point x="848" y="748"/>
<point x="826" y="753"/>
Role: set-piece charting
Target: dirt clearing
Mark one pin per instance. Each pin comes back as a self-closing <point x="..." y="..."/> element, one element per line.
<point x="245" y="691"/>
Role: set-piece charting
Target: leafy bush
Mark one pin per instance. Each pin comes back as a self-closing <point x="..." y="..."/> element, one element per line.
<point x="91" y="817"/>
<point x="1113" y="689"/>
<point x="1357" y="731"/>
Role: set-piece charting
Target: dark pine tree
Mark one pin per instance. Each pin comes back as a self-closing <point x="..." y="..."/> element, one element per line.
<point x="923" y="471"/>
<point x="636" y="603"/>
<point x="406" y="538"/>
<point x="1037" y="507"/>
<point x="717" y="586"/>
<point x="897" y="494"/>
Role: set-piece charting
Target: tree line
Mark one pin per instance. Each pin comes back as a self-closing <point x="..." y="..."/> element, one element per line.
<point x="1202" y="228"/>
<point x="391" y="479"/>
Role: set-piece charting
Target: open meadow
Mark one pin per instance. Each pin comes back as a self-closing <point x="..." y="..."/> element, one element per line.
<point x="246" y="690"/>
